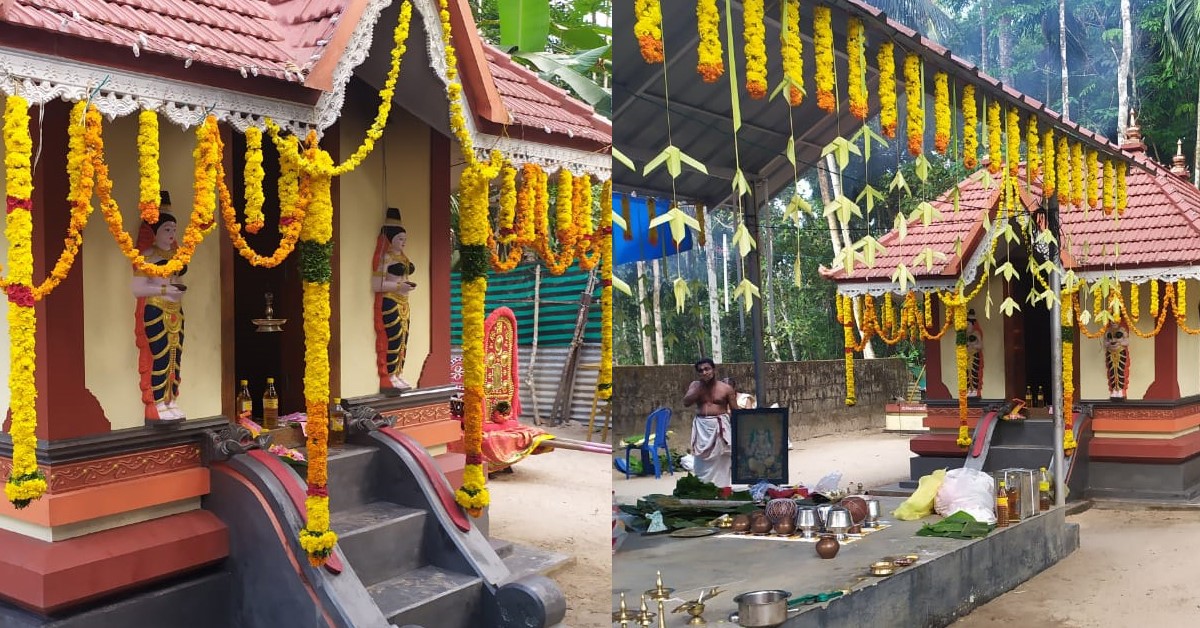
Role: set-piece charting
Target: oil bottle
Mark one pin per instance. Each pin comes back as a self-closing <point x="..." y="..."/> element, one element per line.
<point x="270" y="405"/>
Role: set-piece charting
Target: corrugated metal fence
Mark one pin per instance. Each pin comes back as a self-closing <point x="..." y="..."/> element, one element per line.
<point x="543" y="381"/>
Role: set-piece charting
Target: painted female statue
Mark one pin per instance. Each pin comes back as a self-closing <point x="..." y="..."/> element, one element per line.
<point x="1116" y="359"/>
<point x="159" y="320"/>
<point x="391" y="285"/>
<point x="974" y="356"/>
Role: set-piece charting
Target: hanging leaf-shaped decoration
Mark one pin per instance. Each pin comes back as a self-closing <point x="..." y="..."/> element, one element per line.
<point x="872" y="195"/>
<point x="899" y="183"/>
<point x="903" y="277"/>
<point x="1008" y="306"/>
<point x="868" y="137"/>
<point x="741" y="187"/>
<point x="848" y="258"/>
<point x="743" y="240"/>
<point x="926" y="212"/>
<point x="921" y="165"/>
<point x="870" y="249"/>
<point x="841" y="148"/>
<point x="900" y="225"/>
<point x="674" y="159"/>
<point x="621" y="286"/>
<point x="1006" y="269"/>
<point x="796" y="208"/>
<point x="928" y="256"/>
<point x="619" y="156"/>
<point x="843" y="208"/>
<point x="679" y="222"/>
<point x="746" y="291"/>
<point x="682" y="292"/>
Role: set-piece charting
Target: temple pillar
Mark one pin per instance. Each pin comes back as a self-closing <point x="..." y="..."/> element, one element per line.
<point x="436" y="370"/>
<point x="1166" y="363"/>
<point x="935" y="387"/>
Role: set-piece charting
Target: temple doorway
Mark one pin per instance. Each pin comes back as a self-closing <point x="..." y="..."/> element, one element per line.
<point x="258" y="355"/>
<point x="1027" y="340"/>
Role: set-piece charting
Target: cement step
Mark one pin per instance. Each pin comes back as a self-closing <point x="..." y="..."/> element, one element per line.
<point x="351" y="477"/>
<point x="1025" y="432"/>
<point x="1018" y="457"/>
<point x="380" y="539"/>
<point x="429" y="596"/>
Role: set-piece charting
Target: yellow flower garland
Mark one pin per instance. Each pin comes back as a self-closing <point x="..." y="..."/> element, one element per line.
<point x="915" y="93"/>
<point x="791" y="47"/>
<point x="254" y="175"/>
<point x="1034" y="165"/>
<point x="200" y="223"/>
<point x="1048" y="182"/>
<point x="755" y="33"/>
<point x="1093" y="165"/>
<point x="25" y="482"/>
<point x="648" y="29"/>
<point x="886" y="59"/>
<point x="823" y="51"/>
<point x="294" y="201"/>
<point x="941" y="112"/>
<point x="1153" y="297"/>
<point x="959" y="312"/>
<point x="81" y="177"/>
<point x="1064" y="171"/>
<point x="1108" y="183"/>
<point x="508" y="203"/>
<point x="846" y="317"/>
<point x="856" y="59"/>
<point x="149" y="195"/>
<point x="1076" y="174"/>
<point x="1068" y="371"/>
<point x="1122" y="198"/>
<point x="1012" y="133"/>
<point x="970" y="115"/>
<point x="1133" y="303"/>
<point x="604" y="379"/>
<point x="994" y="146"/>
<point x="708" y="21"/>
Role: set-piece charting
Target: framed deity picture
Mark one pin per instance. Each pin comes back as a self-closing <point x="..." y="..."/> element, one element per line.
<point x="760" y="438"/>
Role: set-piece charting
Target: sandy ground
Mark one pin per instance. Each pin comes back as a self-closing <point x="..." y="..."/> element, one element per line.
<point x="561" y="501"/>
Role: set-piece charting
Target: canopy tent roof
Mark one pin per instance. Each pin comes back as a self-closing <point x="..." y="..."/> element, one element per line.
<point x="701" y="113"/>
<point x="1158" y="236"/>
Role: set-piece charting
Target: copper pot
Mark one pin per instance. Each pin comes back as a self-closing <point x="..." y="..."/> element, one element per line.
<point x="760" y="525"/>
<point x="741" y="523"/>
<point x="787" y="527"/>
<point x="828" y="546"/>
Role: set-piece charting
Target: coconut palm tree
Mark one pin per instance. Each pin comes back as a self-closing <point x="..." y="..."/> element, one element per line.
<point x="1181" y="24"/>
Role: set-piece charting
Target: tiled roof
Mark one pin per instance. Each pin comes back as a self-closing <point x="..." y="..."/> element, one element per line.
<point x="540" y="106"/>
<point x="1160" y="227"/>
<point x="266" y="37"/>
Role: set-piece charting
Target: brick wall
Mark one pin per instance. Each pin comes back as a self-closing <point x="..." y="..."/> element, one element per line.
<point x="814" y="393"/>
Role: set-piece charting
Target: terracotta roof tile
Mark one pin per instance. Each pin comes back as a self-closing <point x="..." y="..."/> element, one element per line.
<point x="536" y="104"/>
<point x="1161" y="226"/>
<point x="272" y="36"/>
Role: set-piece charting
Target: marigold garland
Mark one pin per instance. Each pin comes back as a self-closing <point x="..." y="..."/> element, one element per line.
<point x="1133" y="303"/>
<point x="970" y="115"/>
<point x="846" y="316"/>
<point x="886" y="59"/>
<point x="914" y="92"/>
<point x="648" y="29"/>
<point x="26" y="482"/>
<point x="1034" y="163"/>
<point x="508" y="204"/>
<point x="1122" y="198"/>
<point x="604" y="379"/>
<point x="81" y="177"/>
<point x="710" y="66"/>
<point x="294" y="197"/>
<point x="856" y="59"/>
<point x="1063" y="160"/>
<point x="701" y="236"/>
<point x="1093" y="165"/>
<point x="1076" y="174"/>
<point x="754" y="33"/>
<point x="1109" y="184"/>
<point x="1153" y="297"/>
<point x="254" y="175"/>
<point x="1048" y="179"/>
<point x="316" y="231"/>
<point x="1012" y="133"/>
<point x="1068" y="373"/>
<point x="149" y="195"/>
<point x="959" y="312"/>
<point x="791" y="47"/>
<point x="823" y="57"/>
<point x="994" y="145"/>
<point x="941" y="112"/>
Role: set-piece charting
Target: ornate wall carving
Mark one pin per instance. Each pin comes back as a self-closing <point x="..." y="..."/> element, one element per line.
<point x="410" y="417"/>
<point x="73" y="476"/>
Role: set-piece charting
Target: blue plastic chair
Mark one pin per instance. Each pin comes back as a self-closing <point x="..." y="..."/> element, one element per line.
<point x="655" y="439"/>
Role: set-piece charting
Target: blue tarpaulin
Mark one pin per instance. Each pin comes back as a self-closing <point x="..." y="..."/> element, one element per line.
<point x="639" y="247"/>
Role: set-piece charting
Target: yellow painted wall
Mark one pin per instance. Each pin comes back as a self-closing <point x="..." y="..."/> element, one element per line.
<point x="993" y="346"/>
<point x="365" y="197"/>
<point x="1188" y="356"/>
<point x="111" y="356"/>
<point x="1093" y="381"/>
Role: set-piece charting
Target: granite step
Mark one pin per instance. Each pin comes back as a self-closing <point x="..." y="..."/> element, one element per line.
<point x="430" y="596"/>
<point x="380" y="539"/>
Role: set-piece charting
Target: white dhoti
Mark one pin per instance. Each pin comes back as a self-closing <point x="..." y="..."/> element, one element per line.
<point x="711" y="448"/>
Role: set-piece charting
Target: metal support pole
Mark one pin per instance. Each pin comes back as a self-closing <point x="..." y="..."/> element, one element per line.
<point x="754" y="274"/>
<point x="1056" y="369"/>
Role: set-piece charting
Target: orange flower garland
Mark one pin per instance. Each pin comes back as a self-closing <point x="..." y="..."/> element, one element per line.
<point x="1068" y="371"/>
<point x="886" y="59"/>
<point x="791" y="47"/>
<point x="941" y="112"/>
<point x="959" y="312"/>
<point x="293" y="207"/>
<point x="148" y="175"/>
<point x="1110" y="204"/>
<point x="25" y="482"/>
<point x="970" y="128"/>
<point x="604" y="379"/>
<point x="1076" y="174"/>
<point x="755" y="33"/>
<point x="823" y="50"/>
<point x="1031" y="146"/>
<point x="708" y="21"/>
<point x="846" y="318"/>
<point x="81" y="176"/>
<point x="1063" y="160"/>
<point x="648" y="29"/>
<point x="1093" y="172"/>
<point x="254" y="175"/>
<point x="915" y="93"/>
<point x="507" y="220"/>
<point x="856" y="60"/>
<point x="1122" y="198"/>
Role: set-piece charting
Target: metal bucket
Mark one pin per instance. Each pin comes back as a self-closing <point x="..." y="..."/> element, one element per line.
<point x="1026" y="483"/>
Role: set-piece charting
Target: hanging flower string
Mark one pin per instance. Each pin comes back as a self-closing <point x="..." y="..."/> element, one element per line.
<point x="791" y="47"/>
<point x="254" y="175"/>
<point x="81" y="179"/>
<point x="647" y="28"/>
<point x="755" y="33"/>
<point x="995" y="148"/>
<point x="846" y="318"/>
<point x="1031" y="147"/>
<point x="886" y="59"/>
<point x="970" y="115"/>
<point x="149" y="195"/>
<point x="26" y="482"/>
<point x="856" y="60"/>
<point x="604" y="379"/>
<point x="1068" y="370"/>
<point x="294" y="202"/>
<point x="914" y="92"/>
<point x="1122" y="199"/>
<point x="1076" y="174"/>
<point x="708" y="21"/>
<point x="941" y="112"/>
<point x="823" y="50"/>
<point x="1012" y="134"/>
<point x="1063" y="162"/>
<point x="1093" y="172"/>
<point x="1048" y="182"/>
<point x="506" y="221"/>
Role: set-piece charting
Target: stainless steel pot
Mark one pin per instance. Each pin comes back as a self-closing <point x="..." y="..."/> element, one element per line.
<point x="806" y="522"/>
<point x="823" y="515"/>
<point x="762" y="609"/>
<point x="838" y="522"/>
<point x="872" y="512"/>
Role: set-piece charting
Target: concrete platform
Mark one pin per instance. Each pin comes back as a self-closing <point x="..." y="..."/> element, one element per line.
<point x="951" y="578"/>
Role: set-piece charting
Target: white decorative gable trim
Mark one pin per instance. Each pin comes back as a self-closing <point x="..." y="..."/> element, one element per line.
<point x="41" y="79"/>
<point x="329" y="106"/>
<point x="599" y="165"/>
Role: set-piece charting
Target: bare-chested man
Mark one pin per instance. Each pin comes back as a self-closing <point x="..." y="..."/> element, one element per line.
<point x="714" y="400"/>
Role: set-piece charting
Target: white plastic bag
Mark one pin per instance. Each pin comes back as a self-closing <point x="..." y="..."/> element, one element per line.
<point x="618" y="526"/>
<point x="688" y="463"/>
<point x="829" y="483"/>
<point x="967" y="490"/>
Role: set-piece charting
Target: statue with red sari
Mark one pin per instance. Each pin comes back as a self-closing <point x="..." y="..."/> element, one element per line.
<point x="158" y="319"/>
<point x="391" y="285"/>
